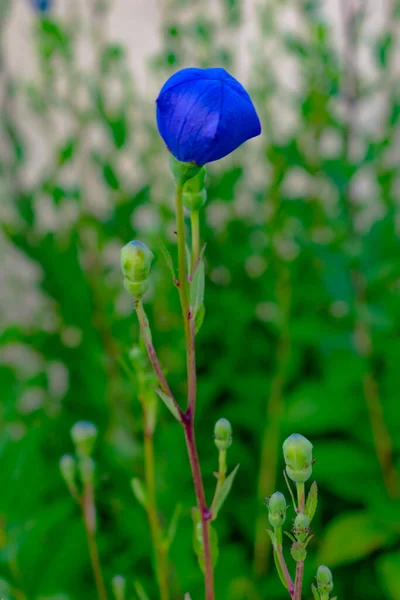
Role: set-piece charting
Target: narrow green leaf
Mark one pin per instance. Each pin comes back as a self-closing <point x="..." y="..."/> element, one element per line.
<point x="279" y="569"/>
<point x="139" y="490"/>
<point x="312" y="501"/>
<point x="272" y="536"/>
<point x="167" y="257"/>
<point x="389" y="569"/>
<point x="140" y="591"/>
<point x="169" y="403"/>
<point x="290" y="490"/>
<point x="223" y="493"/>
<point x="173" y="526"/>
<point x="315" y="592"/>
<point x="199" y="318"/>
<point x="197" y="288"/>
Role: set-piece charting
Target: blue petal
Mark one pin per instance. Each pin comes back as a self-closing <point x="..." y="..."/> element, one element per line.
<point x="204" y="114"/>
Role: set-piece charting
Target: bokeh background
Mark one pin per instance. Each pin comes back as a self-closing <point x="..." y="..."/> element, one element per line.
<point x="302" y="327"/>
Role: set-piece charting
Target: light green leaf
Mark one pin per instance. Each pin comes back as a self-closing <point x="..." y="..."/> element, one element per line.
<point x="315" y="592"/>
<point x="198" y="540"/>
<point x="140" y="591"/>
<point x="223" y="493"/>
<point x="167" y="258"/>
<point x="312" y="501"/>
<point x="197" y="288"/>
<point x="139" y="491"/>
<point x="169" y="403"/>
<point x="389" y="570"/>
<point x="199" y="318"/>
<point x="173" y="526"/>
<point x="350" y="537"/>
<point x="279" y="569"/>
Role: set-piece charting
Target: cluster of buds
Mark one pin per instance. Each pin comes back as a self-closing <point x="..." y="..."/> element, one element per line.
<point x="83" y="436"/>
<point x="136" y="261"/>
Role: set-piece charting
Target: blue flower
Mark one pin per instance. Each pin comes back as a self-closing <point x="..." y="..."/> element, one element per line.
<point x="41" y="5"/>
<point x="205" y="114"/>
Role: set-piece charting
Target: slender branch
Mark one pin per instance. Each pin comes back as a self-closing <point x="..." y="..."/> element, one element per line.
<point x="89" y="518"/>
<point x="160" y="550"/>
<point x="152" y="354"/>
<point x="298" y="584"/>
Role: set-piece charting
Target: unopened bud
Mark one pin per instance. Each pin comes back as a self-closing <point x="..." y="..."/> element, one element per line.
<point x="194" y="192"/>
<point x="68" y="471"/>
<point x="119" y="587"/>
<point x="84" y="436"/>
<point x="223" y="434"/>
<point x="136" y="260"/>
<point x="297" y="451"/>
<point x="277" y="509"/>
<point x="301" y="528"/>
<point x="298" y="552"/>
<point x="324" y="580"/>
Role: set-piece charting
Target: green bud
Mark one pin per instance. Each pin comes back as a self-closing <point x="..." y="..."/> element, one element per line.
<point x="68" y="471"/>
<point x="136" y="259"/>
<point x="297" y="451"/>
<point x="324" y="580"/>
<point x="223" y="434"/>
<point x="194" y="193"/>
<point x="119" y="587"/>
<point x="301" y="528"/>
<point x="84" y="436"/>
<point x="277" y="509"/>
<point x="182" y="171"/>
<point x="298" y="552"/>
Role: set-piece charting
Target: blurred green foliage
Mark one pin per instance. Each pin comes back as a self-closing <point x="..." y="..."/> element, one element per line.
<point x="302" y="318"/>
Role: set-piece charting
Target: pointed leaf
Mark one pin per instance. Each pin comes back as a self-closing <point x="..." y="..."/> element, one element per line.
<point x="169" y="403"/>
<point x="197" y="288"/>
<point x="312" y="501"/>
<point x="223" y="493"/>
<point x="173" y="526"/>
<point x="140" y="591"/>
<point x="139" y="491"/>
<point x="315" y="592"/>
<point x="167" y="258"/>
<point x="279" y="569"/>
<point x="199" y="318"/>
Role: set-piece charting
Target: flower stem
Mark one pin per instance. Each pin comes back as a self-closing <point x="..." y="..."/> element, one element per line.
<point x="221" y="476"/>
<point x="194" y="219"/>
<point x="188" y="421"/>
<point x="89" y="518"/>
<point x="298" y="584"/>
<point x="161" y="557"/>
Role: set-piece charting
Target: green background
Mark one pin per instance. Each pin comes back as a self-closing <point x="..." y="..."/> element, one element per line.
<point x="302" y="326"/>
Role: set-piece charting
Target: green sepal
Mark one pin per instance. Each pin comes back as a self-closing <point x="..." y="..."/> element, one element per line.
<point x="315" y="592"/>
<point x="173" y="526"/>
<point x="198" y="545"/>
<point x="183" y="171"/>
<point x="139" y="491"/>
<point x="199" y="318"/>
<point x="197" y="288"/>
<point x="279" y="569"/>
<point x="312" y="501"/>
<point x="169" y="403"/>
<point x="140" y="591"/>
<point x="223" y="492"/>
<point x="289" y="536"/>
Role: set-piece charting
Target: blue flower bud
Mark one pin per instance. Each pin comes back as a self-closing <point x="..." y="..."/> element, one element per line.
<point x="277" y="509"/>
<point x="84" y="435"/>
<point x="136" y="259"/>
<point x="223" y="434"/>
<point x="205" y="114"/>
<point x="41" y="5"/>
<point x="297" y="451"/>
<point x="324" y="580"/>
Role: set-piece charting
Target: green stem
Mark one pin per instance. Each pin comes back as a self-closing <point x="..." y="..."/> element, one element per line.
<point x="298" y="584"/>
<point x="194" y="219"/>
<point x="301" y="497"/>
<point x="161" y="554"/>
<point x="221" y="476"/>
<point x="89" y="519"/>
<point x="189" y="417"/>
<point x="282" y="562"/>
